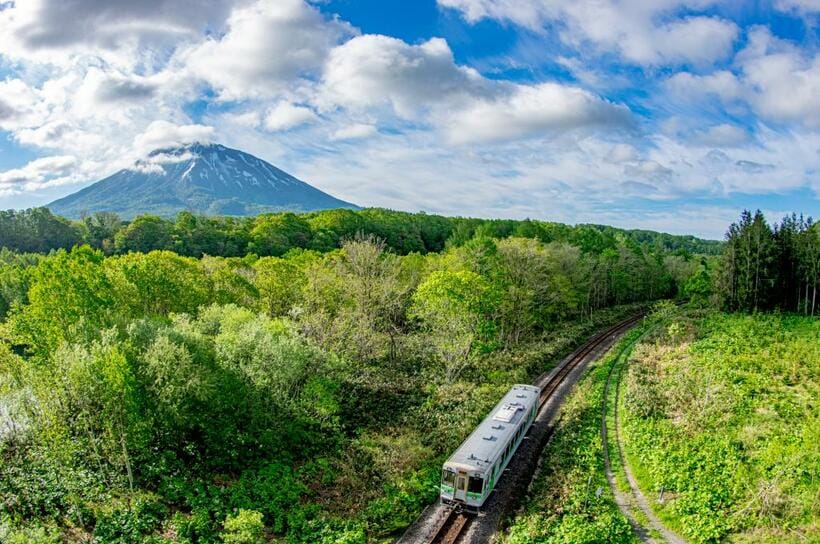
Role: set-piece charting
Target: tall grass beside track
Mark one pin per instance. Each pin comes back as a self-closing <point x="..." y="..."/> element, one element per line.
<point x="717" y="410"/>
<point x="721" y="411"/>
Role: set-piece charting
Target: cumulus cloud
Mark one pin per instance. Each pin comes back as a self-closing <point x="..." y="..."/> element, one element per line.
<point x="6" y="111"/>
<point x="162" y="134"/>
<point x="375" y="70"/>
<point x="38" y="174"/>
<point x="118" y="30"/>
<point x="780" y="82"/>
<point x="784" y="83"/>
<point x="416" y="80"/>
<point x="20" y="103"/>
<point x="637" y="30"/>
<point x="267" y="44"/>
<point x="722" y="83"/>
<point x="285" y="116"/>
<point x="529" y="110"/>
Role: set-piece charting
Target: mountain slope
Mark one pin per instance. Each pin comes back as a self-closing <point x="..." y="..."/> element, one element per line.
<point x="210" y="179"/>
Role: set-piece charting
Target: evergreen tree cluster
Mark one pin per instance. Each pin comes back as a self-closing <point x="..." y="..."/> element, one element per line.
<point x="767" y="267"/>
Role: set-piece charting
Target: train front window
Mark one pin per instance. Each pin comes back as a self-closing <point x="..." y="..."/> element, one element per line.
<point x="448" y="477"/>
<point x="476" y="485"/>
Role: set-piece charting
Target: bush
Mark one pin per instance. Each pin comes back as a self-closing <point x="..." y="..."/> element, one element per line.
<point x="244" y="528"/>
<point x="128" y="524"/>
<point x="32" y="534"/>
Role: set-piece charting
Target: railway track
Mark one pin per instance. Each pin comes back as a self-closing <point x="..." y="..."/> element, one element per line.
<point x="451" y="522"/>
<point x="552" y="380"/>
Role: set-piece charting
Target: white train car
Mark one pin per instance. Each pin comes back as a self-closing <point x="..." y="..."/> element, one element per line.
<point x="472" y="472"/>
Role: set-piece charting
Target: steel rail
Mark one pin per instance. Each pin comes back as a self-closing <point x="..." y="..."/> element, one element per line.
<point x="550" y="383"/>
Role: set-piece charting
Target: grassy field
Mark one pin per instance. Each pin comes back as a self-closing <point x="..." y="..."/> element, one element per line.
<point x="720" y="411"/>
<point x="717" y="410"/>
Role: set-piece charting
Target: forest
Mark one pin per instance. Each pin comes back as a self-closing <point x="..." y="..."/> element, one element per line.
<point x="38" y="231"/>
<point x="285" y="377"/>
<point x="767" y="267"/>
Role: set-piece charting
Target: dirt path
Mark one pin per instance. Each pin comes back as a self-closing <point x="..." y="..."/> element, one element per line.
<point x="633" y="504"/>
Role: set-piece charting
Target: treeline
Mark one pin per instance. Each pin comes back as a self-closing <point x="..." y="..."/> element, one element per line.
<point x="766" y="267"/>
<point x="154" y="397"/>
<point x="38" y="231"/>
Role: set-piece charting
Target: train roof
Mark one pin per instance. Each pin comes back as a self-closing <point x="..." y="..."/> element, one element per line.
<point x="490" y="438"/>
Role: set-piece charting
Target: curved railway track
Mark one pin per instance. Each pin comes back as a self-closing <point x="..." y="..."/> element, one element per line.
<point x="451" y="523"/>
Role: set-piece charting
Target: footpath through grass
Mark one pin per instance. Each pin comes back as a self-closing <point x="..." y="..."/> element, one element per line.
<point x="720" y="411"/>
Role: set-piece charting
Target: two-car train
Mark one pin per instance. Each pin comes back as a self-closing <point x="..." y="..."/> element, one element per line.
<point x="472" y="472"/>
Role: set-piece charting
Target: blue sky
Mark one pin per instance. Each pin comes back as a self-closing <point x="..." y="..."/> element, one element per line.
<point x="665" y="114"/>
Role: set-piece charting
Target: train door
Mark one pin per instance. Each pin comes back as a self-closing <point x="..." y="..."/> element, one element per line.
<point x="461" y="487"/>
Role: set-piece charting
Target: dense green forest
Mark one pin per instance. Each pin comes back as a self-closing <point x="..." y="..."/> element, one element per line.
<point x="766" y="267"/>
<point x="285" y="377"/>
<point x="309" y="396"/>
<point x="38" y="231"/>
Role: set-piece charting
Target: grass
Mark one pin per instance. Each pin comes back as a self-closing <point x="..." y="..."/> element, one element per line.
<point x="721" y="412"/>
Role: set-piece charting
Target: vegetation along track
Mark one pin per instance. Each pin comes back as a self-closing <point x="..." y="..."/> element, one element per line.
<point x="445" y="524"/>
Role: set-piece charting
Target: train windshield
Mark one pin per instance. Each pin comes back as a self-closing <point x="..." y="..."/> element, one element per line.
<point x="476" y="485"/>
<point x="448" y="477"/>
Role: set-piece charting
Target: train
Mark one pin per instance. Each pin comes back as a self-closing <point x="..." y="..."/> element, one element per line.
<point x="471" y="473"/>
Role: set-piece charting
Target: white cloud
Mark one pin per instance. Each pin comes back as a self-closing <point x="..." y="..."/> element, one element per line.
<point x="722" y="83"/>
<point x="778" y="81"/>
<point x="801" y="6"/>
<point x="636" y="29"/>
<point x="424" y="82"/>
<point x="530" y="110"/>
<point x="284" y="116"/>
<point x="374" y="70"/>
<point x="267" y="45"/>
<point x="784" y="83"/>
<point x="356" y="131"/>
<point x="20" y="104"/>
<point x="162" y="134"/>
<point x="123" y="32"/>
<point x="38" y="174"/>
<point x="154" y="162"/>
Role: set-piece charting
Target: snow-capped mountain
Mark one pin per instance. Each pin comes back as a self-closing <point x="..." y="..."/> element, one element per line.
<point x="210" y="179"/>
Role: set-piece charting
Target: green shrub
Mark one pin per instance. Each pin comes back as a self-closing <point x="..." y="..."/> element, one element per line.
<point x="125" y="524"/>
<point x="245" y="527"/>
<point x="32" y="534"/>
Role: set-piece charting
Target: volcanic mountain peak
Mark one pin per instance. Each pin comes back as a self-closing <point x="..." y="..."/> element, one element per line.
<point x="203" y="178"/>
